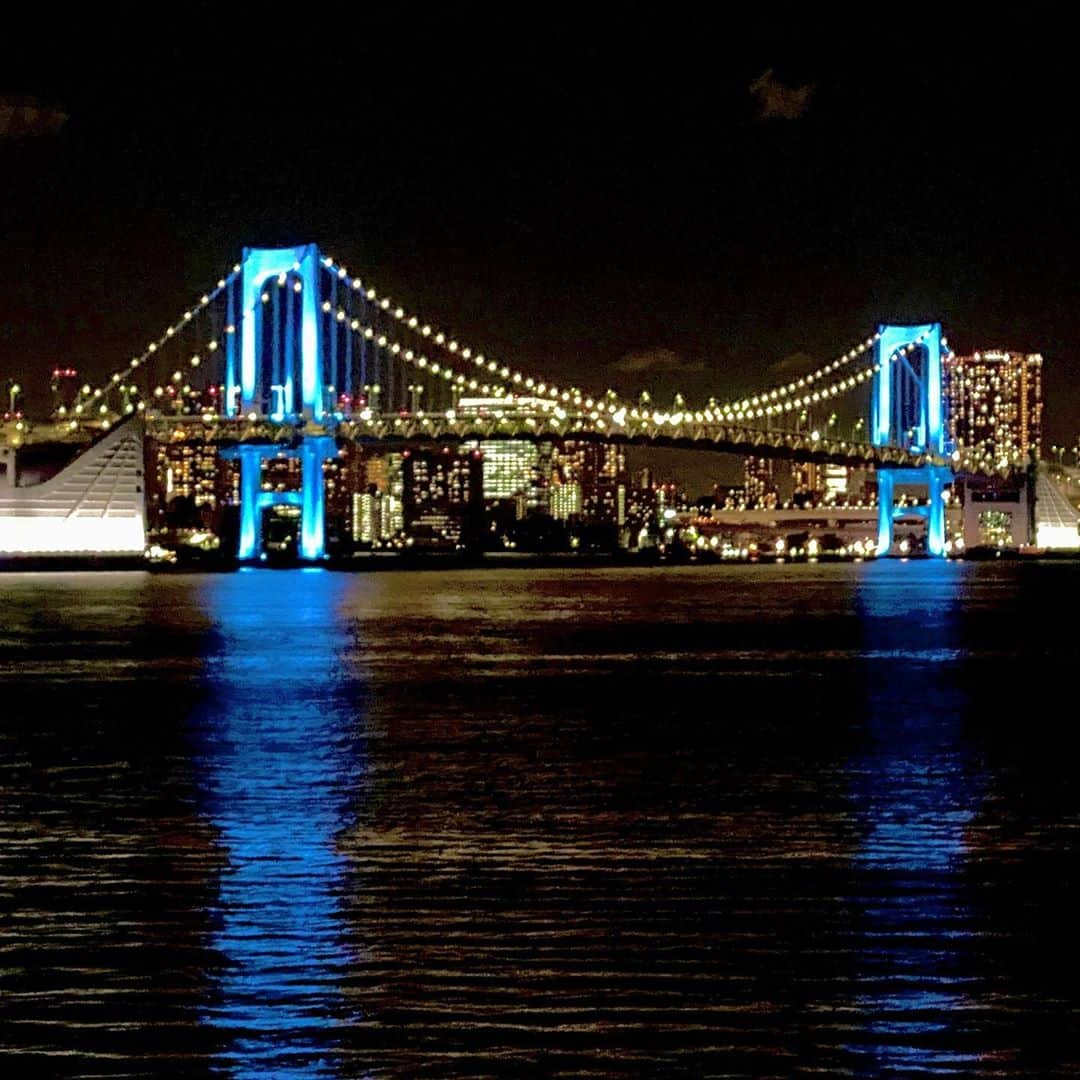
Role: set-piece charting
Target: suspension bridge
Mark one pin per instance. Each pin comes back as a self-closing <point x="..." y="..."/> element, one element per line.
<point x="290" y="353"/>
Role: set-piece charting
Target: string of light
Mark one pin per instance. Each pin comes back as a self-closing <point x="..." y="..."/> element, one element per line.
<point x="116" y="378"/>
<point x="512" y="379"/>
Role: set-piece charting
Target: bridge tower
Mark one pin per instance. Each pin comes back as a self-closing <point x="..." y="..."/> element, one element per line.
<point x="907" y="410"/>
<point x="299" y="369"/>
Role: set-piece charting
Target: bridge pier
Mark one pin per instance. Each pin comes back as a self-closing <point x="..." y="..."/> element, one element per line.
<point x="311" y="498"/>
<point x="934" y="478"/>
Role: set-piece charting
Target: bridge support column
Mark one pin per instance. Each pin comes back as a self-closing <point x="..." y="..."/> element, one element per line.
<point x="935" y="511"/>
<point x="311" y="498"/>
<point x="933" y="478"/>
<point x="250" y="543"/>
<point x="314" y="451"/>
<point x="885" y="488"/>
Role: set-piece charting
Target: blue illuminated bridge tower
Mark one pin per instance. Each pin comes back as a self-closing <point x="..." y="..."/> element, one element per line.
<point x="289" y="378"/>
<point x="907" y="410"/>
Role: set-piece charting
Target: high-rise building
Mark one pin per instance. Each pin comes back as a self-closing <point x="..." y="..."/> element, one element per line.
<point x="806" y="482"/>
<point x="994" y="406"/>
<point x="187" y="469"/>
<point x="518" y="472"/>
<point x="443" y="497"/>
<point x="759" y="483"/>
<point x="565" y="500"/>
<point x="367" y="516"/>
<point x="599" y="470"/>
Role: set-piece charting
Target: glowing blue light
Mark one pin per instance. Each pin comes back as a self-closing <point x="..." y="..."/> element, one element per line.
<point x="257" y="266"/>
<point x="915" y="792"/>
<point x="928" y="427"/>
<point x="311" y="499"/>
<point x="314" y="451"/>
<point x="278" y="783"/>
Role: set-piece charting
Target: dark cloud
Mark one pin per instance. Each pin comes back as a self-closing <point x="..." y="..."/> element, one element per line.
<point x="654" y="360"/>
<point x="796" y="363"/>
<point x="26" y="117"/>
<point x="775" y="99"/>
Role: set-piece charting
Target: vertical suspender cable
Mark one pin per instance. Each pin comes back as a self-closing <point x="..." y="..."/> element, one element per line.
<point x="293" y="299"/>
<point x="347" y="388"/>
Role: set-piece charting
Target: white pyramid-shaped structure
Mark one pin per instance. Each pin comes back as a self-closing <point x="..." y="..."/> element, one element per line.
<point x="1056" y="519"/>
<point x="94" y="506"/>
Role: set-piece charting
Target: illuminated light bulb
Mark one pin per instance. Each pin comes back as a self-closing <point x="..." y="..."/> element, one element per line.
<point x="426" y="331"/>
<point x="395" y="348"/>
<point x="399" y="313"/>
<point x="187" y="316"/>
<point x="422" y="362"/>
<point x="408" y="354"/>
<point x="103" y="409"/>
<point x="170" y="331"/>
<point x="370" y="294"/>
<point x="230" y="329"/>
<point x="452" y="346"/>
<point x="369" y="333"/>
<point x="158" y="391"/>
<point x="212" y="346"/>
<point x="440" y="338"/>
<point x="221" y="283"/>
<point x="382" y="340"/>
<point x="414" y="322"/>
<point x="341" y="316"/>
<point x="282" y="277"/>
<point x="384" y="303"/>
<point x="504" y="373"/>
<point x="152" y="347"/>
<point x="355" y="324"/>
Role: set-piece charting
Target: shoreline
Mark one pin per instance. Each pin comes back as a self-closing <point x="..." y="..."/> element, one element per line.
<point x="430" y="561"/>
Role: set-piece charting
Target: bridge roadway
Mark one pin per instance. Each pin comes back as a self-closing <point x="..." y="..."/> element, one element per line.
<point x="682" y="432"/>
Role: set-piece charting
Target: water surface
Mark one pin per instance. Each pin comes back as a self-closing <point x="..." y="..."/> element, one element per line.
<point x="728" y="821"/>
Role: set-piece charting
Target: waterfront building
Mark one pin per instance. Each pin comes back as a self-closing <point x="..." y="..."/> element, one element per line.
<point x="759" y="483"/>
<point x="185" y="470"/>
<point x="994" y="406"/>
<point x="599" y="470"/>
<point x="94" y="506"/>
<point x="566" y="503"/>
<point x="443" y="497"/>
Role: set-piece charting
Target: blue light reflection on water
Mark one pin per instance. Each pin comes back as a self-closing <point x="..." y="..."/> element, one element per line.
<point x="279" y="762"/>
<point x="915" y="790"/>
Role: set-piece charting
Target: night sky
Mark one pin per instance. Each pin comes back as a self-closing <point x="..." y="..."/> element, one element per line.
<point x="636" y="196"/>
